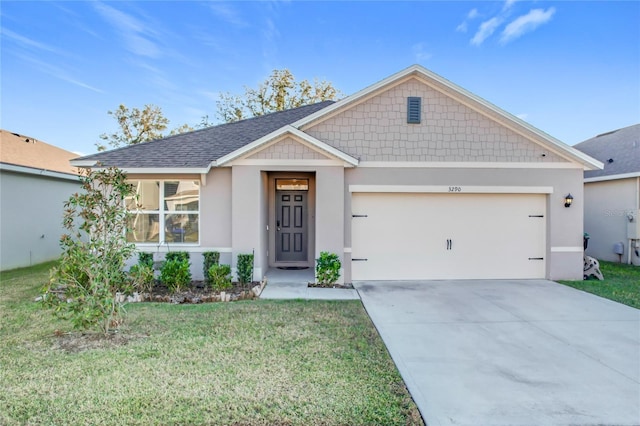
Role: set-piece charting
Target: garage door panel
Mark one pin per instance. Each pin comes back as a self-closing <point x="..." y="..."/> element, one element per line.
<point x="404" y="236"/>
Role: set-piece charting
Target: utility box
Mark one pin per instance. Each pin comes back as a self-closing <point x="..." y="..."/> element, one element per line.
<point x="633" y="227"/>
<point x="618" y="248"/>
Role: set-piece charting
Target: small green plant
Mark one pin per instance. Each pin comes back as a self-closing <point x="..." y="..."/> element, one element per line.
<point x="142" y="278"/>
<point x="175" y="274"/>
<point x="145" y="258"/>
<point x="177" y="255"/>
<point x="220" y="277"/>
<point x="328" y="268"/>
<point x="245" y="268"/>
<point x="210" y="258"/>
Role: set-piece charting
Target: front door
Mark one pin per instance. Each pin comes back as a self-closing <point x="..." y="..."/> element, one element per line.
<point x="291" y="226"/>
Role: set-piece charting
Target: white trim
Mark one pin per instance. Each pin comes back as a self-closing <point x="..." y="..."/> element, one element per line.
<point x="83" y="163"/>
<point x="283" y="131"/>
<point x="613" y="177"/>
<point x="163" y="248"/>
<point x="39" y="172"/>
<point x="567" y="249"/>
<point x="268" y="162"/>
<point x="347" y="249"/>
<point x="453" y="189"/>
<point x="419" y="71"/>
<point x="468" y="164"/>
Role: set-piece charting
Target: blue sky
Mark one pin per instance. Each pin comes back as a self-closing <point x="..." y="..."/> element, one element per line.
<point x="570" y="68"/>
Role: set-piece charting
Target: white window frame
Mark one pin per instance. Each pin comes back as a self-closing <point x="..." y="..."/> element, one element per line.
<point x="162" y="212"/>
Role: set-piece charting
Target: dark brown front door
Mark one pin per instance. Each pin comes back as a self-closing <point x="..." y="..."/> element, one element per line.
<point x="291" y="226"/>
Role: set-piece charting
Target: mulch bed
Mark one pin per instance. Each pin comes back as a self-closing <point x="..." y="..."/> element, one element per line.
<point x="317" y="285"/>
<point x="197" y="292"/>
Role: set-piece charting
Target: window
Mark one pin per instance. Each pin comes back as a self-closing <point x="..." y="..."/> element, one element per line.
<point x="164" y="211"/>
<point x="414" y="110"/>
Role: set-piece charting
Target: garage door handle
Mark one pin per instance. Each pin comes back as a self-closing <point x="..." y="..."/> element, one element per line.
<point x="359" y="260"/>
<point x="449" y="244"/>
<point x="536" y="258"/>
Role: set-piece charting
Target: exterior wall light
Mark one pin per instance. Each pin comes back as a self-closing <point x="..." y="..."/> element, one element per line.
<point x="568" y="200"/>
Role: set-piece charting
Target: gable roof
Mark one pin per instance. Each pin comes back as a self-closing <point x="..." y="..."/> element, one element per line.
<point x="201" y="148"/>
<point x="292" y="131"/>
<point x="25" y="151"/>
<point x="619" y="150"/>
<point x="462" y="95"/>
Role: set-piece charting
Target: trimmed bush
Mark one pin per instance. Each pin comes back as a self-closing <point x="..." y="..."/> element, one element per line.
<point x="175" y="274"/>
<point x="142" y="278"/>
<point x="210" y="258"/>
<point x="245" y="268"/>
<point x="145" y="259"/>
<point x="220" y="277"/>
<point x="328" y="268"/>
<point x="177" y="255"/>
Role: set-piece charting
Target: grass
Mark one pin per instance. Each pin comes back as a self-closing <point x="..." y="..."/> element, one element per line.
<point x="621" y="283"/>
<point x="242" y="363"/>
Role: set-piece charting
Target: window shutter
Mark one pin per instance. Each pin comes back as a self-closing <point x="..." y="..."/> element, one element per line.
<point x="414" y="109"/>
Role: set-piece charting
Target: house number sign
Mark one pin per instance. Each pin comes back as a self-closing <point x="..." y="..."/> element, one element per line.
<point x="455" y="189"/>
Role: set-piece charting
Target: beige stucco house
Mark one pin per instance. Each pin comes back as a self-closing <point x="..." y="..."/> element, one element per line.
<point x="612" y="196"/>
<point x="35" y="180"/>
<point x="410" y="178"/>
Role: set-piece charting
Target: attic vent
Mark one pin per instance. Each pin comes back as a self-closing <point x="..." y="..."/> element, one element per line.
<point x="414" y="109"/>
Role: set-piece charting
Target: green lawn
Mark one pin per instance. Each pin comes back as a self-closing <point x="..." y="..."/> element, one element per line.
<point x="242" y="363"/>
<point x="621" y="283"/>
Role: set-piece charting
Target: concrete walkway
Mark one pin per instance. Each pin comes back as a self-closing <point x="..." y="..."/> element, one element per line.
<point x="292" y="284"/>
<point x="528" y="352"/>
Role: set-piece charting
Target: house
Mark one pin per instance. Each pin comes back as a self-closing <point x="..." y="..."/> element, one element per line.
<point x="410" y="178"/>
<point x="612" y="196"/>
<point x="35" y="180"/>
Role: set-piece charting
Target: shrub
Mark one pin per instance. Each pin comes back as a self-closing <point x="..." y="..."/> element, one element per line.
<point x="220" y="277"/>
<point x="210" y="258"/>
<point x="177" y="255"/>
<point x="175" y="274"/>
<point x="145" y="259"/>
<point x="142" y="278"/>
<point x="245" y="268"/>
<point x="94" y="252"/>
<point x="328" y="268"/>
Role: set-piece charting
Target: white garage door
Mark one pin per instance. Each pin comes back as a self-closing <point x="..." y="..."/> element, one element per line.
<point x="407" y="236"/>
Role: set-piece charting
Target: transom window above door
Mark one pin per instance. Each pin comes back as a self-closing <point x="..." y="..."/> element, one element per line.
<point x="292" y="184"/>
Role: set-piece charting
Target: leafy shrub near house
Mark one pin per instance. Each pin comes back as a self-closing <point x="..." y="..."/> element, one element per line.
<point x="245" y="268"/>
<point x="91" y="272"/>
<point x="145" y="258"/>
<point x="177" y="255"/>
<point x="210" y="258"/>
<point x="175" y="274"/>
<point x="142" y="277"/>
<point x="328" y="268"/>
<point x="220" y="277"/>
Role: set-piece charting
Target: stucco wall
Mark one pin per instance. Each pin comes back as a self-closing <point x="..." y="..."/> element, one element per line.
<point x="31" y="209"/>
<point x="605" y="216"/>
<point x="564" y="225"/>
<point x="377" y="130"/>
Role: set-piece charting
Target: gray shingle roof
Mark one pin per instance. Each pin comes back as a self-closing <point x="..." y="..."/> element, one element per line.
<point x="622" y="146"/>
<point x="199" y="148"/>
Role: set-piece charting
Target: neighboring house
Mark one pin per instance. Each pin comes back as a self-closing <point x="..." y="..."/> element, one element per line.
<point x="612" y="195"/>
<point x="410" y="178"/>
<point x="35" y="180"/>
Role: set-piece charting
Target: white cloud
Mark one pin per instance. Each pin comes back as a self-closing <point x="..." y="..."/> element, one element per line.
<point x="27" y="42"/>
<point x="526" y="23"/>
<point x="508" y="4"/>
<point x="419" y="52"/>
<point x="228" y="14"/>
<point x="522" y="116"/>
<point x="486" y="29"/>
<point x="462" y="28"/>
<point x="135" y="33"/>
<point x="58" y="72"/>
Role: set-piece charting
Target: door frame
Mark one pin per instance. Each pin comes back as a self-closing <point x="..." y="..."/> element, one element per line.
<point x="311" y="214"/>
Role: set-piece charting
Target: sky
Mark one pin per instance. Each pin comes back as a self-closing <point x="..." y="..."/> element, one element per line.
<point x="569" y="68"/>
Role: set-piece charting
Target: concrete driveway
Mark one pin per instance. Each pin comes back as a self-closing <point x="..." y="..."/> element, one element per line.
<point x="502" y="352"/>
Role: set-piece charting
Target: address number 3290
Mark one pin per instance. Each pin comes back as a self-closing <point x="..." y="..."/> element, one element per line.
<point x="455" y="189"/>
